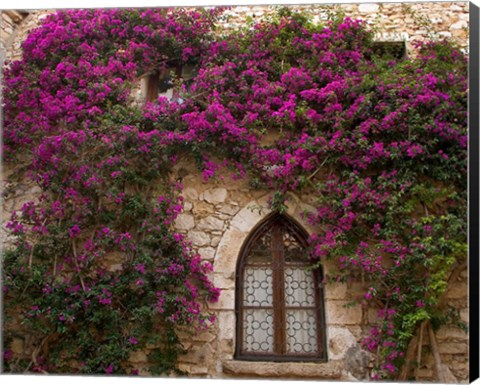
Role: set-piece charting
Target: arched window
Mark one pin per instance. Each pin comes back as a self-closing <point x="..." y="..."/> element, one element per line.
<point x="279" y="298"/>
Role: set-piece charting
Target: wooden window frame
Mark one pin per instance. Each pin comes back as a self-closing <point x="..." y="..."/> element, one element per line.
<point x="153" y="81"/>
<point x="275" y="222"/>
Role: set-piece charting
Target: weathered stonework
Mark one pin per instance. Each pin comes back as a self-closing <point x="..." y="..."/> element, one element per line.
<point x="219" y="215"/>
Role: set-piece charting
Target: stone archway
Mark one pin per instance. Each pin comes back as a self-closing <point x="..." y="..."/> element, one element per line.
<point x="238" y="230"/>
<point x="225" y="261"/>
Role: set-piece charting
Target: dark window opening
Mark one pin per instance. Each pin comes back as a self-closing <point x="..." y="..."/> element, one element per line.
<point x="394" y="49"/>
<point x="162" y="82"/>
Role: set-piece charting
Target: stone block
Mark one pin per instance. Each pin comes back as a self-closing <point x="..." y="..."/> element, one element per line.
<point x="190" y="194"/>
<point x="226" y="325"/>
<point x="247" y="218"/>
<point x="456" y="8"/>
<point x="17" y="345"/>
<point x="207" y="253"/>
<point x="226" y="349"/>
<point x="453" y="348"/>
<point x="425" y="373"/>
<point x="113" y="261"/>
<point x="184" y="222"/>
<point x="205" y="336"/>
<point x="227" y="251"/>
<point x="342" y="313"/>
<point x="324" y="371"/>
<point x="202" y="209"/>
<point x="449" y="333"/>
<point x="223" y="282"/>
<point x="459" y="33"/>
<point x="199" y="238"/>
<point x="356" y="362"/>
<point x="444" y="34"/>
<point x="184" y="367"/>
<point x="138" y="356"/>
<point x="198" y="370"/>
<point x="339" y="341"/>
<point x="215" y="195"/>
<point x="228" y="209"/>
<point x="215" y="241"/>
<point x="368" y="8"/>
<point x="198" y="355"/>
<point x="334" y="290"/>
<point x="210" y="224"/>
<point x="226" y="300"/>
<point x="372" y="315"/>
<point x="462" y="24"/>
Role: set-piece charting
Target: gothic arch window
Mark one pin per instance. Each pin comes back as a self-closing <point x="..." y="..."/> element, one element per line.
<point x="279" y="298"/>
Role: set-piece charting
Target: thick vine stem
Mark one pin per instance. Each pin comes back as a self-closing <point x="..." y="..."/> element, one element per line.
<point x="36" y="351"/>
<point x="74" y="248"/>
<point x="409" y="356"/>
<point x="30" y="258"/>
<point x="419" y="351"/>
<point x="436" y="354"/>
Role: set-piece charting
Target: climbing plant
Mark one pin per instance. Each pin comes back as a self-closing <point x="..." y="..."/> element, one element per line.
<point x="381" y="142"/>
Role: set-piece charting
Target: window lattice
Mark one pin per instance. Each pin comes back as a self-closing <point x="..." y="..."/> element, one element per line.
<point x="279" y="299"/>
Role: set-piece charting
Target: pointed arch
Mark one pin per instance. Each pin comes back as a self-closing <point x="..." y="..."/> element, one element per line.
<point x="279" y="298"/>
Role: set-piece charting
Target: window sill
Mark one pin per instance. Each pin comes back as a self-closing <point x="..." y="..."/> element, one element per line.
<point x="324" y="370"/>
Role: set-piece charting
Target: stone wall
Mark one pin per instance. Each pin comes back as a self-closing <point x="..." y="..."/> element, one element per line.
<point x="219" y="215"/>
<point x="9" y="23"/>
<point x="393" y="21"/>
<point x="15" y="26"/>
<point x="217" y="218"/>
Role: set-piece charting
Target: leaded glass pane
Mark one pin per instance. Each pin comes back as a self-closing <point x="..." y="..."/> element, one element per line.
<point x="261" y="251"/>
<point x="301" y="331"/>
<point x="258" y="330"/>
<point x="258" y="290"/>
<point x="294" y="251"/>
<point x="299" y="287"/>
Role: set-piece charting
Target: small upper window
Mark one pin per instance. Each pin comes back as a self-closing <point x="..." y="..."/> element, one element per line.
<point x="279" y="297"/>
<point x="162" y="82"/>
<point x="394" y="49"/>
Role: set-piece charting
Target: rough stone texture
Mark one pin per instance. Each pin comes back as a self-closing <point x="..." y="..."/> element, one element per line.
<point x="226" y="300"/>
<point x="450" y="333"/>
<point x="216" y="195"/>
<point x="356" y="362"/>
<point x="17" y="345"/>
<point x="330" y="370"/>
<point x="368" y="8"/>
<point x="207" y="253"/>
<point x="335" y="290"/>
<point x="138" y="356"/>
<point x="199" y="238"/>
<point x="184" y="222"/>
<point x="340" y="339"/>
<point x="342" y="313"/>
<point x="210" y="223"/>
